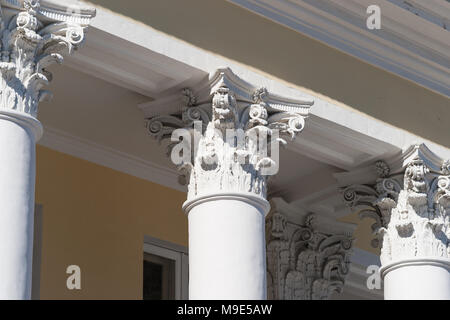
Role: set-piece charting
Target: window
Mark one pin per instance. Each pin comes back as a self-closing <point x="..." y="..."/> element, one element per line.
<point x="159" y="278"/>
<point x="165" y="271"/>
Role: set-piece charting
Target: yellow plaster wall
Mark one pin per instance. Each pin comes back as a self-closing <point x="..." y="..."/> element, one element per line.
<point x="237" y="34"/>
<point x="363" y="234"/>
<point x="96" y="218"/>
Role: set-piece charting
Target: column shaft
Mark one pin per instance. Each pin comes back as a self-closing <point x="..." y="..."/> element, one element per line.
<point x="17" y="176"/>
<point x="417" y="279"/>
<point x="227" y="248"/>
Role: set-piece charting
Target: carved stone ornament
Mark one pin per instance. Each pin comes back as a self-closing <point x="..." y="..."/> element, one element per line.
<point x="308" y="256"/>
<point x="221" y="107"/>
<point x="34" y="35"/>
<point x="410" y="202"/>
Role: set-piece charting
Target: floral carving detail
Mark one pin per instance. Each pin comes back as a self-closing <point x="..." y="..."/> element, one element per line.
<point x="189" y="98"/>
<point x="411" y="210"/>
<point x="28" y="47"/>
<point x="382" y="168"/>
<point x="224" y="109"/>
<point x="259" y="95"/>
<point x="304" y="263"/>
<point x="415" y="179"/>
<point x="233" y="164"/>
<point x="446" y="167"/>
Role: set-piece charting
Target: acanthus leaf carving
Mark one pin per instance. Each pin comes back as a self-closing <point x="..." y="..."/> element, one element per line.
<point x="303" y="261"/>
<point x="411" y="209"/>
<point x="232" y="128"/>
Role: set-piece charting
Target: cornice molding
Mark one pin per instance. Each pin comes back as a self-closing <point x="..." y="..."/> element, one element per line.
<point x="56" y="10"/>
<point x="118" y="51"/>
<point x="108" y="157"/>
<point x="397" y="163"/>
<point x="409" y="44"/>
<point x="434" y="11"/>
<point x="224" y="77"/>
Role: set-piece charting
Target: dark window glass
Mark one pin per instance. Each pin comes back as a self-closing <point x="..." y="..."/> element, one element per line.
<point x="159" y="278"/>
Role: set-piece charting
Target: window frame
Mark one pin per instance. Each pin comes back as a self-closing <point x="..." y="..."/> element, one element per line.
<point x="176" y="253"/>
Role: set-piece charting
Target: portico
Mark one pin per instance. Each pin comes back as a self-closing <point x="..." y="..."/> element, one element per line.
<point x="32" y="40"/>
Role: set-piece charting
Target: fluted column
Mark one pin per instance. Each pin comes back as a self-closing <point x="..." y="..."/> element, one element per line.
<point x="28" y="46"/>
<point x="234" y="150"/>
<point x="410" y="202"/>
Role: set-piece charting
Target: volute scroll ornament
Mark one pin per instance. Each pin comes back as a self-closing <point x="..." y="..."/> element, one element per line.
<point x="411" y="208"/>
<point x="30" y="43"/>
<point x="233" y="133"/>
<point x="304" y="261"/>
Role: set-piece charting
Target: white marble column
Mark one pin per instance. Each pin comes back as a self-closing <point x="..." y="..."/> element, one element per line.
<point x="410" y="202"/>
<point x="29" y="45"/>
<point x="417" y="279"/>
<point x="227" y="246"/>
<point x="227" y="174"/>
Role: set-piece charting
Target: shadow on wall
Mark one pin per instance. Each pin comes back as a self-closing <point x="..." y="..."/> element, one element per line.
<point x="237" y="34"/>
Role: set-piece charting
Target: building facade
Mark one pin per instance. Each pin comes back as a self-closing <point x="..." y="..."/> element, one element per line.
<point x="225" y="149"/>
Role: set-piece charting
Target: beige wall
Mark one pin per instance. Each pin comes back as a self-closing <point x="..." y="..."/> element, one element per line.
<point x="363" y="234"/>
<point x="228" y="30"/>
<point x="96" y="218"/>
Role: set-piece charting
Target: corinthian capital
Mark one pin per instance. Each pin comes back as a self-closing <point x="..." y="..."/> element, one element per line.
<point x="235" y="129"/>
<point x="34" y="35"/>
<point x="308" y="255"/>
<point x="410" y="202"/>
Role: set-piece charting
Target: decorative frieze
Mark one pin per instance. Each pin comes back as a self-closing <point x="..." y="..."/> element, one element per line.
<point x="234" y="132"/>
<point x="308" y="256"/>
<point x="30" y="42"/>
<point x="410" y="203"/>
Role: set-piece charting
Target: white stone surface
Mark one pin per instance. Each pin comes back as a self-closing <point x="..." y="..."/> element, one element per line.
<point x="17" y="175"/>
<point x="308" y="255"/>
<point x="31" y="41"/>
<point x="227" y="176"/>
<point x="227" y="258"/>
<point x="417" y="279"/>
<point x="409" y="201"/>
